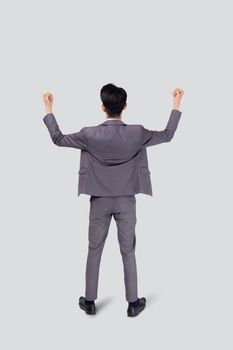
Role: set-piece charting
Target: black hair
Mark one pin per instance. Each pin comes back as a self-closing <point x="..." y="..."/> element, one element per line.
<point x="113" y="98"/>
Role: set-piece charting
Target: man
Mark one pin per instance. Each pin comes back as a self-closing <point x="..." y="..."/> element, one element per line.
<point x="113" y="168"/>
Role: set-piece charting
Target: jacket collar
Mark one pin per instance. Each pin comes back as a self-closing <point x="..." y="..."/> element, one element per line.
<point x="113" y="121"/>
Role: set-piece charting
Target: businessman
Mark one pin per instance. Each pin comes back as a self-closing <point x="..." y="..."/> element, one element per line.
<point x="113" y="169"/>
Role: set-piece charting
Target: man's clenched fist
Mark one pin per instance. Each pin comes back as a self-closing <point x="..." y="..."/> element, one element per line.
<point x="48" y="100"/>
<point x="177" y="94"/>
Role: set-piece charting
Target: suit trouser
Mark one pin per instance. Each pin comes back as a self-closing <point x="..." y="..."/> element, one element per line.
<point x="123" y="209"/>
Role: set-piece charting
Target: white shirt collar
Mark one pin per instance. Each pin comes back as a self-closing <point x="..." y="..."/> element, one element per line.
<point x="113" y="119"/>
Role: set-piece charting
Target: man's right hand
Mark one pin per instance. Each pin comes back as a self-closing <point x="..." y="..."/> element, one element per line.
<point x="177" y="95"/>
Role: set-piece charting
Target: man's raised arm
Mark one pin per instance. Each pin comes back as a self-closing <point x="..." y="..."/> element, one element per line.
<point x="75" y="140"/>
<point x="154" y="137"/>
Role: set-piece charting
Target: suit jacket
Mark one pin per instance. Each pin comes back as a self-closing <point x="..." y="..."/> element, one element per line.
<point x="113" y="158"/>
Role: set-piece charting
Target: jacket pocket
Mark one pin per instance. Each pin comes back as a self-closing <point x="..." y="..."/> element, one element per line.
<point x="82" y="170"/>
<point x="144" y="170"/>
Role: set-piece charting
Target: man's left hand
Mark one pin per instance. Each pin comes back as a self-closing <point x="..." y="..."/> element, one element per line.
<point x="48" y="100"/>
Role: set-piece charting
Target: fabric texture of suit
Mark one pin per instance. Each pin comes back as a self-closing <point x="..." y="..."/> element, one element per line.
<point x="113" y="158"/>
<point x="102" y="210"/>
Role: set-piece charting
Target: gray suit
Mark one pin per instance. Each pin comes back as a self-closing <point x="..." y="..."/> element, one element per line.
<point x="113" y="168"/>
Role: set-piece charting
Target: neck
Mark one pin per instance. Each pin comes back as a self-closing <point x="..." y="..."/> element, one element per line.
<point x="117" y="118"/>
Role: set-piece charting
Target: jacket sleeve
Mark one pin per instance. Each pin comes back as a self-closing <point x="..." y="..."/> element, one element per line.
<point x="154" y="137"/>
<point x="75" y="140"/>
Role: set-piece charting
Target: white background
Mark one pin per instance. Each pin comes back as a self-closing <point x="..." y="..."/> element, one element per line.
<point x="184" y="232"/>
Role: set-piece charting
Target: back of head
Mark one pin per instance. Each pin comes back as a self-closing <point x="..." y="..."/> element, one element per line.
<point x="114" y="99"/>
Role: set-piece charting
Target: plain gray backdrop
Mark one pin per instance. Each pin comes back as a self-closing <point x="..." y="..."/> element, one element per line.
<point x="72" y="49"/>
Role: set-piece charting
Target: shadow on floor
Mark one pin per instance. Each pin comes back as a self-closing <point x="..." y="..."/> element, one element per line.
<point x="151" y="298"/>
<point x="103" y="303"/>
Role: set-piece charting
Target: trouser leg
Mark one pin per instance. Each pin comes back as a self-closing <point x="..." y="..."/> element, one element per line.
<point x="126" y="221"/>
<point x="99" y="221"/>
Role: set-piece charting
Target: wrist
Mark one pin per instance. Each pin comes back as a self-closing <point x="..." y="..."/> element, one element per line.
<point x="49" y="110"/>
<point x="176" y="106"/>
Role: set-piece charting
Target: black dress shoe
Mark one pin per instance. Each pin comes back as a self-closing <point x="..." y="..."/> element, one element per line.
<point x="89" y="309"/>
<point x="134" y="310"/>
